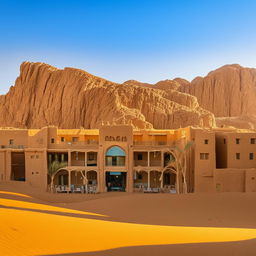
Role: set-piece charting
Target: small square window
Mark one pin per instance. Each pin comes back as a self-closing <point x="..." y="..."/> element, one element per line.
<point x="206" y="141"/>
<point x="237" y="141"/>
<point x="204" y="156"/>
<point x="238" y="156"/>
<point x="251" y="156"/>
<point x="52" y="140"/>
<point x="253" y="140"/>
<point x="11" y="142"/>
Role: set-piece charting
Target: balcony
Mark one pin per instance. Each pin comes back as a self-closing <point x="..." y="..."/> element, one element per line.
<point x="74" y="145"/>
<point x="13" y="146"/>
<point x="151" y="143"/>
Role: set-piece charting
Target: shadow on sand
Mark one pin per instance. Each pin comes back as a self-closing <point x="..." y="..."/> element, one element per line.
<point x="241" y="248"/>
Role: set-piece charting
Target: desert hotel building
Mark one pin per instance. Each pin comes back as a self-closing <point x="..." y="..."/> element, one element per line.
<point x="125" y="159"/>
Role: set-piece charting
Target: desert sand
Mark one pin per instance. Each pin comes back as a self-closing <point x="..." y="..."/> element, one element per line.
<point x="35" y="222"/>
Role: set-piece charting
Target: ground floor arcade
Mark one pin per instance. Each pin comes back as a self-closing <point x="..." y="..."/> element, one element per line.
<point x="78" y="179"/>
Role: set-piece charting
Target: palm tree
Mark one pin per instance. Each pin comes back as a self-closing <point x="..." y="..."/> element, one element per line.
<point x="54" y="167"/>
<point x="178" y="161"/>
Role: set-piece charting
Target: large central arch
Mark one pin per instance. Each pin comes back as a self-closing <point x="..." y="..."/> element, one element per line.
<point x="115" y="156"/>
<point x="115" y="179"/>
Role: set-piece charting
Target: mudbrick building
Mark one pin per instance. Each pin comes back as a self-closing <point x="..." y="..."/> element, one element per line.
<point x="121" y="158"/>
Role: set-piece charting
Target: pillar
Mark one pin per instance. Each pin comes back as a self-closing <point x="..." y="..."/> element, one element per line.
<point x="162" y="159"/>
<point x="69" y="158"/>
<point x="162" y="180"/>
<point x="148" y="179"/>
<point x="85" y="158"/>
<point x="130" y="175"/>
<point x="69" y="180"/>
<point x="100" y="163"/>
<point x="148" y="158"/>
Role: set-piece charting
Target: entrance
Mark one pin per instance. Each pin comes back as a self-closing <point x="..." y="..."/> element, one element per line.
<point x="116" y="181"/>
<point x="18" y="166"/>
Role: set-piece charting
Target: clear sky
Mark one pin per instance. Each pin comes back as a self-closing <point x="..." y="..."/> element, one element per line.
<point x="127" y="39"/>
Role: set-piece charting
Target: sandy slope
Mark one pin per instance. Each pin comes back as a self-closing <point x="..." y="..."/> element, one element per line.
<point x="154" y="224"/>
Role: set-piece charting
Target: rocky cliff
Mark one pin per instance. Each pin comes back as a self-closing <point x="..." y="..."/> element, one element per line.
<point x="72" y="98"/>
<point x="229" y="93"/>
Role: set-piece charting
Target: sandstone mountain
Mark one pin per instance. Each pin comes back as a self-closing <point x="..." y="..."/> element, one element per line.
<point x="71" y="98"/>
<point x="229" y="93"/>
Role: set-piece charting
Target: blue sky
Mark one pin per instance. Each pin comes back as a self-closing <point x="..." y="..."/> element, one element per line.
<point x="121" y="40"/>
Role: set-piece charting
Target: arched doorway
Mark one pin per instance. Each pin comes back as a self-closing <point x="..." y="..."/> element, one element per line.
<point x="170" y="180"/>
<point x="92" y="177"/>
<point x="155" y="179"/>
<point x="61" y="178"/>
<point x="140" y="180"/>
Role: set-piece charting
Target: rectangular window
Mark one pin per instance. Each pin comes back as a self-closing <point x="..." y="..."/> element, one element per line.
<point x="238" y="156"/>
<point x="32" y="156"/>
<point x="237" y="141"/>
<point x="206" y="141"/>
<point x="253" y="140"/>
<point x="37" y="156"/>
<point x="251" y="156"/>
<point x="52" y="140"/>
<point x="62" y="139"/>
<point x="140" y="156"/>
<point x="11" y="142"/>
<point x="204" y="156"/>
<point x="224" y="141"/>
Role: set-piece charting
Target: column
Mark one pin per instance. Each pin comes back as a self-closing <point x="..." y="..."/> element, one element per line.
<point x="85" y="158"/>
<point x="162" y="180"/>
<point x="100" y="159"/>
<point x="130" y="174"/>
<point x="69" y="158"/>
<point x="69" y="180"/>
<point x="148" y="158"/>
<point x="148" y="179"/>
<point x="162" y="159"/>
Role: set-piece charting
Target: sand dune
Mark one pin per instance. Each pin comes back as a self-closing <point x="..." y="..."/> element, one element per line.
<point x="137" y="222"/>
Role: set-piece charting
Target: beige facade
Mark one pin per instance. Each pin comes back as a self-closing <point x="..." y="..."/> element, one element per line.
<point x="121" y="158"/>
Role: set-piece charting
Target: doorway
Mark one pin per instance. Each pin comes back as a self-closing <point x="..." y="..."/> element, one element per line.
<point x="116" y="181"/>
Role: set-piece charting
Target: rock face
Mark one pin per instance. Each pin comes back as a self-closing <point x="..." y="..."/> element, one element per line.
<point x="229" y="91"/>
<point x="72" y="98"/>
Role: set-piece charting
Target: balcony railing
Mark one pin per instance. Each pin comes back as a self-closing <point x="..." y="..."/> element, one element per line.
<point x="13" y="146"/>
<point x="78" y="144"/>
<point x="151" y="143"/>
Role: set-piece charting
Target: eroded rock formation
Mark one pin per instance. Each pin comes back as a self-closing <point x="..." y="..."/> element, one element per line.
<point x="72" y="98"/>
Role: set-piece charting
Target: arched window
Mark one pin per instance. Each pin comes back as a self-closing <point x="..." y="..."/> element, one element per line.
<point x="115" y="156"/>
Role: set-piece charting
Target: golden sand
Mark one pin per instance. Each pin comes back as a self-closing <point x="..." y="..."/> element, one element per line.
<point x="26" y="232"/>
<point x="42" y="207"/>
<point x="14" y="194"/>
